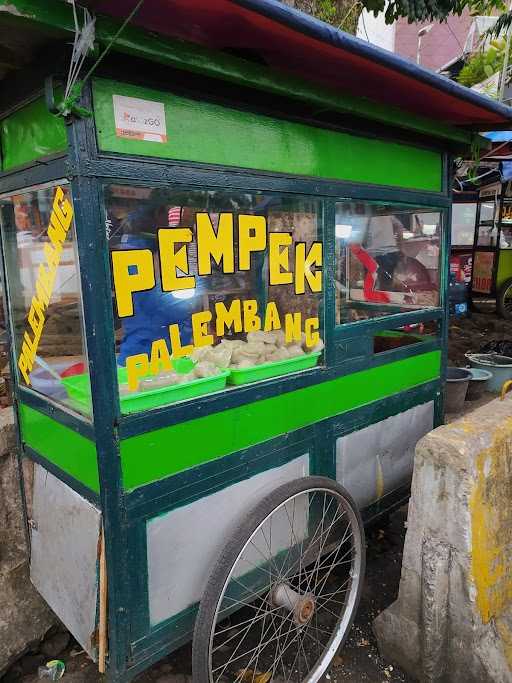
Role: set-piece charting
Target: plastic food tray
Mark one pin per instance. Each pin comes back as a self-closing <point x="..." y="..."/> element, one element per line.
<point x="273" y="369"/>
<point x="79" y="391"/>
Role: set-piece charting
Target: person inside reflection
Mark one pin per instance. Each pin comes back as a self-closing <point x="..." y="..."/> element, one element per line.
<point x="383" y="236"/>
<point x="154" y="310"/>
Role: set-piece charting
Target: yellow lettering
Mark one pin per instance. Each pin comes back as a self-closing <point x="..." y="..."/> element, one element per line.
<point x="227" y="318"/>
<point x="171" y="260"/>
<point x="36" y="318"/>
<point x="23" y="367"/>
<point x="60" y="220"/>
<point x="53" y="259"/>
<point x="28" y="350"/>
<point x="126" y="283"/>
<point x="303" y="265"/>
<point x="311" y="327"/>
<point x="279" y="258"/>
<point x="217" y="245"/>
<point x="178" y="351"/>
<point x="272" y="318"/>
<point x="200" y="333"/>
<point x="293" y="327"/>
<point x="39" y="307"/>
<point x="63" y="208"/>
<point x="43" y="285"/>
<point x="252" y="321"/>
<point x="136" y="367"/>
<point x="160" y="357"/>
<point x="252" y="237"/>
<point x="56" y="251"/>
<point x="56" y="232"/>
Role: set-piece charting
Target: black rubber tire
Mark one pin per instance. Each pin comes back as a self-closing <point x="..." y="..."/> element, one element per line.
<point x="500" y="300"/>
<point x="228" y="556"/>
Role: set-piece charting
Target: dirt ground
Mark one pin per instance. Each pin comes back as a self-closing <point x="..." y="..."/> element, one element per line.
<point x="359" y="662"/>
<point x="471" y="334"/>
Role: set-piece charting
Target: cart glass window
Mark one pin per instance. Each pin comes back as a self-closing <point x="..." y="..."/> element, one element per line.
<point x="506" y="223"/>
<point x="44" y="291"/>
<point x="405" y="335"/>
<point x="488" y="219"/>
<point x="387" y="260"/>
<point x="211" y="289"/>
<point x="463" y="224"/>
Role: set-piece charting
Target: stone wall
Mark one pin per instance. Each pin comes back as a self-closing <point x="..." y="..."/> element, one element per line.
<point x="452" y="621"/>
<point x="24" y="616"/>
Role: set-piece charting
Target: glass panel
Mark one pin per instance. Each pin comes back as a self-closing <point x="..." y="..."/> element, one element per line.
<point x="211" y="289"/>
<point x="463" y="224"/>
<point x="487" y="210"/>
<point x="483" y="268"/>
<point x="406" y="335"/>
<point x="488" y="220"/>
<point x="387" y="260"/>
<point x="506" y="225"/>
<point x="44" y="291"/>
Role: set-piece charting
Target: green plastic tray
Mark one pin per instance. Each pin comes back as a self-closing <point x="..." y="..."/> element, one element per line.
<point x="274" y="369"/>
<point x="79" y="391"/>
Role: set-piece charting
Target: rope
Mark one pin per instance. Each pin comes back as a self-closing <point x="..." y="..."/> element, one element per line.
<point x="83" y="42"/>
<point x="81" y="45"/>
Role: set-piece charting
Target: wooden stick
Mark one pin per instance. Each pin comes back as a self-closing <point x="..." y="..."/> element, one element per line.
<point x="103" y="630"/>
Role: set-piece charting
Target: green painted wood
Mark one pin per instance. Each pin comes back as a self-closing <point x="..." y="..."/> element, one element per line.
<point x="504" y="267"/>
<point x="54" y="15"/>
<point x="155" y="455"/>
<point x="29" y="134"/>
<point x="62" y="446"/>
<point x="209" y="133"/>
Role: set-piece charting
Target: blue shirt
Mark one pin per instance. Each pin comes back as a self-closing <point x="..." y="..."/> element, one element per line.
<point x="153" y="312"/>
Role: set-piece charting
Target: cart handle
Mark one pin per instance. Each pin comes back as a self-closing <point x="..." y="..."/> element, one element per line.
<point x="506" y="387"/>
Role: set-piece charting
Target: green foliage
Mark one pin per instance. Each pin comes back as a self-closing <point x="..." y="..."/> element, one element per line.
<point x="486" y="7"/>
<point x="340" y="14"/>
<point x="482" y="65"/>
<point x="326" y="10"/>
<point x="420" y="10"/>
<point x="502" y="25"/>
<point x="343" y="14"/>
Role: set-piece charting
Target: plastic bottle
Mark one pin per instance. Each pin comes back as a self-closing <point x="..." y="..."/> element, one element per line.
<point x="53" y="670"/>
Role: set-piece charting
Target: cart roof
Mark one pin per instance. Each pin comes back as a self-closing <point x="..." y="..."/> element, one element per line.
<point x="289" y="40"/>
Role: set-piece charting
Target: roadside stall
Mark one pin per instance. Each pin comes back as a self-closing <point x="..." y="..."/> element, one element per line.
<point x="482" y="226"/>
<point x="461" y="255"/>
<point x="226" y="280"/>
<point x="492" y="247"/>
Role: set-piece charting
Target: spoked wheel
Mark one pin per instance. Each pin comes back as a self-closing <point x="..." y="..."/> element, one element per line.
<point x="504" y="302"/>
<point x="282" y="597"/>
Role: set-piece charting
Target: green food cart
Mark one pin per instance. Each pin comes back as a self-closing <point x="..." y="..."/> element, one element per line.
<point x="492" y="246"/>
<point x="225" y="262"/>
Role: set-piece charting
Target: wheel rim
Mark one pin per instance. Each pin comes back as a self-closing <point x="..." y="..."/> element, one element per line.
<point x="290" y="595"/>
<point x="507" y="299"/>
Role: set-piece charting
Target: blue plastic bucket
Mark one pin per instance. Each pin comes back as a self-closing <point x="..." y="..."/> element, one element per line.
<point x="478" y="383"/>
<point x="499" y="366"/>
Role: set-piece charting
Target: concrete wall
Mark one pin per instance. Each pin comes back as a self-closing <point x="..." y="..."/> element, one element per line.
<point x="374" y="30"/>
<point x="444" y="43"/>
<point x="453" y="618"/>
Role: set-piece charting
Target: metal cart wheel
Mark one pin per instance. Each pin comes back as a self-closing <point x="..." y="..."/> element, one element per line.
<point x="283" y="594"/>
<point x="504" y="302"/>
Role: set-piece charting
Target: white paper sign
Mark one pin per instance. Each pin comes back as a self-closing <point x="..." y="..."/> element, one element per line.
<point x="139" y="119"/>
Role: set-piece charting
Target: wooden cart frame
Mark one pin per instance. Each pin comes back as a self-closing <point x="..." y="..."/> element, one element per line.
<point x="354" y="388"/>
